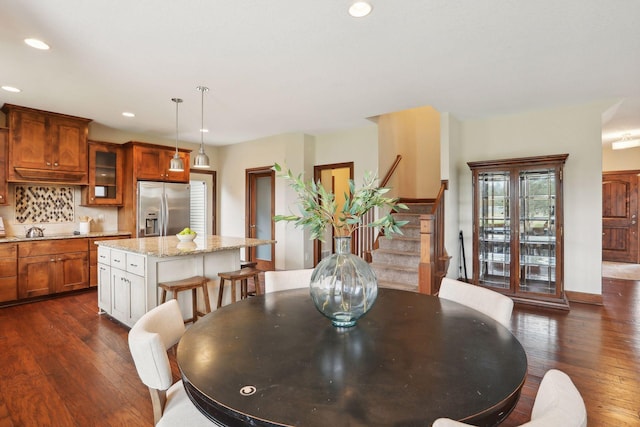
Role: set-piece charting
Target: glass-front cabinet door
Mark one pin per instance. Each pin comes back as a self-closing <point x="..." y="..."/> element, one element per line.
<point x="494" y="228"/>
<point x="517" y="228"/>
<point x="105" y="175"/>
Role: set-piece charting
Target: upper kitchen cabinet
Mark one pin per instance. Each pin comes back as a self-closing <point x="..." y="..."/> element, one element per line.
<point x="45" y="146"/>
<point x="106" y="162"/>
<point x="4" y="136"/>
<point x="151" y="162"/>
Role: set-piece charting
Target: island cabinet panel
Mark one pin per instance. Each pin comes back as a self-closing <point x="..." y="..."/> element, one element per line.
<point x="51" y="266"/>
<point x="4" y="136"/>
<point x="45" y="146"/>
<point x="8" y="272"/>
<point x="122" y="291"/>
<point x="93" y="257"/>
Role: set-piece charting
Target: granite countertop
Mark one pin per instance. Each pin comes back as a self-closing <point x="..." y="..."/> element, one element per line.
<point x="170" y="246"/>
<point x="94" y="234"/>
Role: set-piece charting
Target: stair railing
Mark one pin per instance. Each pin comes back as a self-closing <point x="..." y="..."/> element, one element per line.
<point x="365" y="237"/>
<point x="434" y="259"/>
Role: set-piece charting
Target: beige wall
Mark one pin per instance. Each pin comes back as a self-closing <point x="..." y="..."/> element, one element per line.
<point x="574" y="130"/>
<point x="620" y="160"/>
<point x="415" y="135"/>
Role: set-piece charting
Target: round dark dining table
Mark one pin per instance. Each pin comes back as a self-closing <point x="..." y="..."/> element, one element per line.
<point x="274" y="360"/>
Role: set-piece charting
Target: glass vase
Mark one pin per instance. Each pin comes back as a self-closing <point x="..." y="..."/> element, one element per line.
<point x="343" y="286"/>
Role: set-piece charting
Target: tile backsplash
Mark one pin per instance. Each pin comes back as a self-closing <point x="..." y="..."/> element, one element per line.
<point x="56" y="208"/>
<point x="44" y="204"/>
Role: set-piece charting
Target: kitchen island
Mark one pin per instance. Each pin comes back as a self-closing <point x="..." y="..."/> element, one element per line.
<point x="129" y="270"/>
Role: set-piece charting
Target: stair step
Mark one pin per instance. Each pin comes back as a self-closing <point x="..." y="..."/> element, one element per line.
<point x="414" y="219"/>
<point x="400" y="243"/>
<point x="395" y="273"/>
<point x="410" y="231"/>
<point x="418" y="208"/>
<point x="408" y="259"/>
<point x="396" y="285"/>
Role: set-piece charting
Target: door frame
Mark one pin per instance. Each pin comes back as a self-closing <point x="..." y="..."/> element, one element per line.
<point x="251" y="175"/>
<point x="317" y="173"/>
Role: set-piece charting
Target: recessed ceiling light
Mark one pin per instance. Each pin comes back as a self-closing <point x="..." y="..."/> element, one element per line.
<point x="128" y="114"/>
<point x="38" y="44"/>
<point x="360" y="9"/>
<point x="204" y="130"/>
<point x="11" y="89"/>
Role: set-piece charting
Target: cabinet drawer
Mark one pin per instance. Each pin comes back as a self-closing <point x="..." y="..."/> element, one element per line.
<point x="49" y="247"/>
<point x="8" y="267"/>
<point x="135" y="264"/>
<point x="8" y="289"/>
<point x="119" y="260"/>
<point x="8" y="251"/>
<point x="104" y="255"/>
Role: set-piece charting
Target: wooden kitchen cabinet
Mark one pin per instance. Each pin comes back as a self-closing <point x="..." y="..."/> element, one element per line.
<point x="518" y="228"/>
<point x="52" y="266"/>
<point x="4" y="137"/>
<point x="46" y="146"/>
<point x="8" y="272"/>
<point x="151" y="162"/>
<point x="105" y="175"/>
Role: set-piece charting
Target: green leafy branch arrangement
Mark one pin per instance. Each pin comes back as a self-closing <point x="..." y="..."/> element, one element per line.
<point x="318" y="207"/>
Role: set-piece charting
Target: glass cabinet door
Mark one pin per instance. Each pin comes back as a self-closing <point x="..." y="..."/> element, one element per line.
<point x="105" y="175"/>
<point x="494" y="228"/>
<point x="537" y="235"/>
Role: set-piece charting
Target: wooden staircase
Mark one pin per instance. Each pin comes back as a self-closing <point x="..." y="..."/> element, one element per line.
<point x="396" y="260"/>
<point x="416" y="261"/>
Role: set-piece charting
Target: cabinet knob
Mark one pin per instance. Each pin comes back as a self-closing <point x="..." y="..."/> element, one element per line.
<point x="48" y="163"/>
<point x="52" y="260"/>
<point x="55" y="164"/>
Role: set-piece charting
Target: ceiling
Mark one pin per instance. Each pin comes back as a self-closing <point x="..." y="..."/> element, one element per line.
<point x="306" y="66"/>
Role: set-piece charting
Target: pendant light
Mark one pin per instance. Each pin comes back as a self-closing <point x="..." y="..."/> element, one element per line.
<point x="201" y="161"/>
<point x="176" y="165"/>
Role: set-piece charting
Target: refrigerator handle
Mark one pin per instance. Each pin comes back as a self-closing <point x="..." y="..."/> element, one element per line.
<point x="162" y="219"/>
<point x="165" y="205"/>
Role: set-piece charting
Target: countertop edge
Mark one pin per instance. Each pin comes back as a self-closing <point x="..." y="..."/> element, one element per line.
<point x="94" y="234"/>
<point x="170" y="246"/>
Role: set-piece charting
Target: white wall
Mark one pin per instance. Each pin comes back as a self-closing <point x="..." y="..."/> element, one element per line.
<point x="449" y="158"/>
<point x="574" y="130"/>
<point x="288" y="150"/>
<point x="356" y="145"/>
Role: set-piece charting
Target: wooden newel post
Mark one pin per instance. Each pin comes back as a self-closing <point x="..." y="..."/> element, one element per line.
<point x="427" y="268"/>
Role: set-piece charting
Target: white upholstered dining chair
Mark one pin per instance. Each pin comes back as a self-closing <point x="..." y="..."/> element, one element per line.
<point x="149" y="339"/>
<point x="486" y="301"/>
<point x="286" y="279"/>
<point x="558" y="404"/>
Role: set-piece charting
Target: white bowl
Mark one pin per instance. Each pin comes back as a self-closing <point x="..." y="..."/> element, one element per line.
<point x="186" y="237"/>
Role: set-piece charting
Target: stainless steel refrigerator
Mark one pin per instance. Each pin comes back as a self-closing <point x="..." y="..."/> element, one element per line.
<point x="163" y="208"/>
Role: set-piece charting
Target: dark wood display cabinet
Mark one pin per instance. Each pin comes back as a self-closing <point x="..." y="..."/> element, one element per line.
<point x="518" y="228"/>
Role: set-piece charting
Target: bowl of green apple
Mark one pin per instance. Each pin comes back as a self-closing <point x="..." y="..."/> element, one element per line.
<point x="186" y="235"/>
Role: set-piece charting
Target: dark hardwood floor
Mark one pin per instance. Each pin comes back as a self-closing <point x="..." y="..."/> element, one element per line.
<point x="61" y="364"/>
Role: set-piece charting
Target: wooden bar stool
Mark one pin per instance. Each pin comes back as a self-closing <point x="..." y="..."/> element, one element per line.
<point x="248" y="264"/>
<point x="241" y="276"/>
<point x="191" y="283"/>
